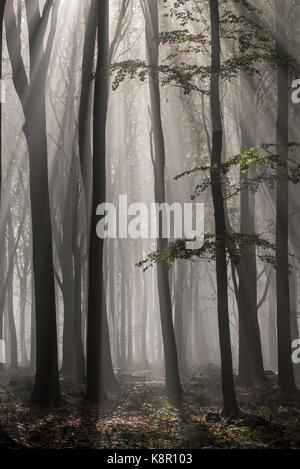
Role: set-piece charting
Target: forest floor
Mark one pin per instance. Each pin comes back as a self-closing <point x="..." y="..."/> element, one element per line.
<point x="140" y="417"/>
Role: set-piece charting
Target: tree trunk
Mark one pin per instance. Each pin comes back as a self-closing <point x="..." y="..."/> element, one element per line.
<point x="68" y="292"/>
<point x="179" y="320"/>
<point x="2" y="243"/>
<point x="78" y="320"/>
<point x="145" y="313"/>
<point x="97" y="328"/>
<point x="294" y="317"/>
<point x="46" y="387"/>
<point x="251" y="370"/>
<point x="285" y="366"/>
<point x="123" y="359"/>
<point x="86" y="106"/>
<point x="129" y="327"/>
<point x="33" y="328"/>
<point x="10" y="301"/>
<point x="23" y="295"/>
<point x="230" y="405"/>
<point x="173" y="385"/>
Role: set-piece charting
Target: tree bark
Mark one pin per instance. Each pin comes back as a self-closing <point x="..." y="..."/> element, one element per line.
<point x="86" y="105"/>
<point x="230" y="406"/>
<point x="285" y="366"/>
<point x="10" y="302"/>
<point x="172" y="379"/>
<point x="32" y="97"/>
<point x="251" y="369"/>
<point x="99" y="363"/>
<point x="2" y="243"/>
<point x="180" y="319"/>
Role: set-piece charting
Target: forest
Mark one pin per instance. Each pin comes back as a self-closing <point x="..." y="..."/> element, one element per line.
<point x="149" y="256"/>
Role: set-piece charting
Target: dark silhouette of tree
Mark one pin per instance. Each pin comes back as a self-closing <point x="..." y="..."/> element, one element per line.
<point x="251" y="368"/>
<point x="31" y="93"/>
<point x="230" y="405"/>
<point x="2" y="8"/>
<point x="285" y="366"/>
<point x="100" y="375"/>
<point x="173" y="385"/>
<point x="96" y="386"/>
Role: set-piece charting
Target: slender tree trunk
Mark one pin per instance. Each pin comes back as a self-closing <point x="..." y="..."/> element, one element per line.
<point x="113" y="309"/>
<point x="108" y="376"/>
<point x="145" y="313"/>
<point x="173" y="385"/>
<point x="2" y="243"/>
<point x="97" y="328"/>
<point x="129" y="327"/>
<point x="230" y="405"/>
<point x="123" y="326"/>
<point x="272" y="329"/>
<point x="46" y="387"/>
<point x="12" y="328"/>
<point x="294" y="316"/>
<point x="23" y="296"/>
<point x="65" y="251"/>
<point x="33" y="328"/>
<point x="68" y="291"/>
<point x="285" y="366"/>
<point x="179" y="318"/>
<point x="10" y="302"/>
<point x="78" y="319"/>
<point x="86" y="105"/>
<point x="251" y="370"/>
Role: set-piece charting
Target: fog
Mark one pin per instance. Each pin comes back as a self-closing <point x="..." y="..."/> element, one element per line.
<point x="114" y="98"/>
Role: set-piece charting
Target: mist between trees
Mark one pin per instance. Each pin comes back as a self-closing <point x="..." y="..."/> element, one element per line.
<point x="164" y="101"/>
